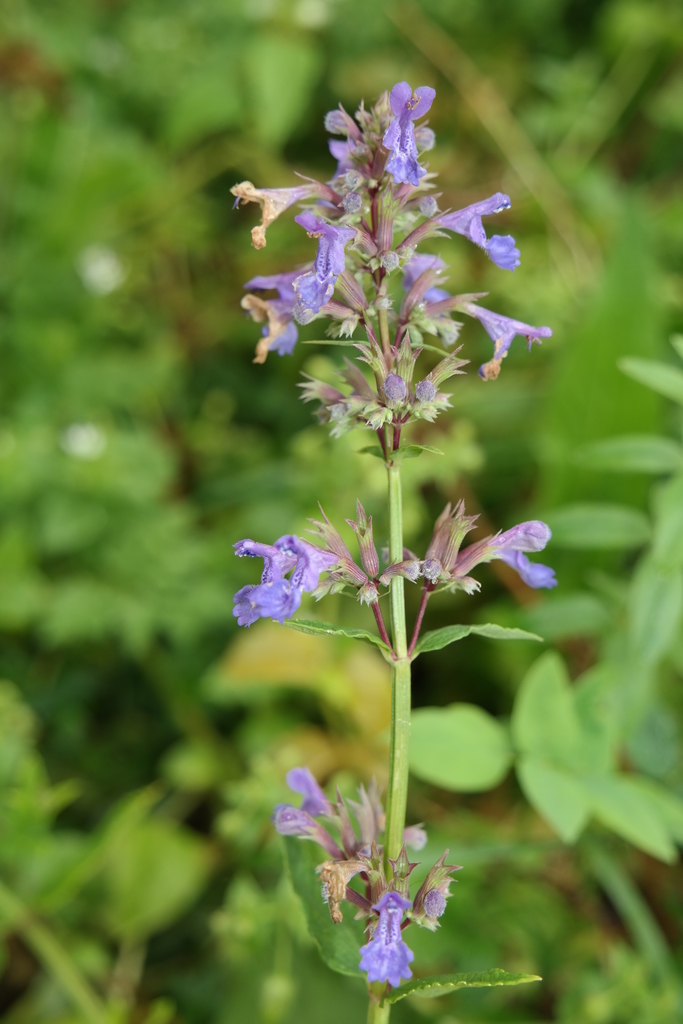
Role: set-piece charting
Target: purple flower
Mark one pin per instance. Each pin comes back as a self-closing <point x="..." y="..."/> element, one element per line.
<point x="294" y="821"/>
<point x="529" y="536"/>
<point x="501" y="249"/>
<point x="407" y="106"/>
<point x="281" y="334"/>
<point x="302" y="780"/>
<point x="501" y="330"/>
<point x="341" y="151"/>
<point x="467" y="222"/>
<point x="418" y="265"/>
<point x="425" y="391"/>
<point x="315" y="288"/>
<point x="276" y="597"/>
<point x="534" y="574"/>
<point x="386" y="956"/>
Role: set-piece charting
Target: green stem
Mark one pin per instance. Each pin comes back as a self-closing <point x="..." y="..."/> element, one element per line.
<point x="378" y="1014"/>
<point x="52" y="956"/>
<point x="400" y="684"/>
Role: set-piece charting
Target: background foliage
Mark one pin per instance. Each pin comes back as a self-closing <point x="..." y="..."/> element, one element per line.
<point x="142" y="740"/>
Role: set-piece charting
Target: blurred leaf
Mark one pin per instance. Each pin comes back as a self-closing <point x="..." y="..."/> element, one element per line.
<point x="326" y="628"/>
<point x="633" y="453"/>
<point x="668" y="805"/>
<point x="620" y="803"/>
<point x="667" y="548"/>
<point x="411" y="451"/>
<point x="157" y="874"/>
<point x="544" y="721"/>
<point x="655" y="606"/>
<point x="436" y="639"/>
<point x="338" y="944"/>
<point x="281" y="72"/>
<point x="459" y="747"/>
<point x="209" y="96"/>
<point x="557" y="796"/>
<point x="442" y="984"/>
<point x="560" y="616"/>
<point x="663" y="378"/>
<point x="598" y="526"/>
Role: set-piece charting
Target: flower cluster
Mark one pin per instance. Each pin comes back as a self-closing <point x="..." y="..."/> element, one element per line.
<point x="445" y="562"/>
<point x="368" y="220"/>
<point x="383" y="904"/>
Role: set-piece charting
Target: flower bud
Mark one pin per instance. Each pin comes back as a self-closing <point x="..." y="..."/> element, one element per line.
<point x="389" y="261"/>
<point x="428" y="206"/>
<point x="352" y="202"/>
<point x="352" y="179"/>
<point x="424" y="138"/>
<point x="425" y="391"/>
<point x="394" y="388"/>
<point x="434" y="903"/>
<point x="336" y="123"/>
<point x="431" y="570"/>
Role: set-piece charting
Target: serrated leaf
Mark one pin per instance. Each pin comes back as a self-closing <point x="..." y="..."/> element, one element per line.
<point x="661" y="377"/>
<point x="598" y="526"/>
<point x="633" y="453"/>
<point x="438" y="638"/>
<point x="555" y="794"/>
<point x="460" y="747"/>
<point x="338" y="944"/>
<point x="326" y="628"/>
<point x="442" y="984"/>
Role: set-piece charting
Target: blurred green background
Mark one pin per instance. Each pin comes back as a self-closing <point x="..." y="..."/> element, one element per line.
<point x="143" y="738"/>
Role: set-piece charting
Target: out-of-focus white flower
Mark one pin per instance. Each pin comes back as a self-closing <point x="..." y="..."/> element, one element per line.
<point x="100" y="269"/>
<point x="83" y="441"/>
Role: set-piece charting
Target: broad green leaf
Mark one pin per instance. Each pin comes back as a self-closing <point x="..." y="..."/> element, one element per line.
<point x="321" y="628"/>
<point x="677" y="342"/>
<point x="621" y="804"/>
<point x="566" y="615"/>
<point x="655" y="606"/>
<point x="438" y="638"/>
<point x="632" y="453"/>
<point x="669" y="806"/>
<point x="371" y="449"/>
<point x="667" y="548"/>
<point x="460" y="747"/>
<point x="661" y="377"/>
<point x="338" y="944"/>
<point x="544" y="721"/>
<point x="597" y="700"/>
<point x="155" y="876"/>
<point x="556" y="795"/>
<point x="598" y="526"/>
<point x="442" y="984"/>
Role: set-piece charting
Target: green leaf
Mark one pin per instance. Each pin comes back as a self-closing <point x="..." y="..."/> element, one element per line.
<point x="661" y="377"/>
<point x="634" y="453"/>
<point x="566" y="615"/>
<point x="668" y="534"/>
<point x="556" y="795"/>
<point x="371" y="449"/>
<point x="655" y="606"/>
<point x="460" y="747"/>
<point x="321" y="628"/>
<point x="669" y="806"/>
<point x="620" y="803"/>
<point x="338" y="944"/>
<point x="411" y="451"/>
<point x="435" y="639"/>
<point x="442" y="984"/>
<point x="544" y="720"/>
<point x="598" y="526"/>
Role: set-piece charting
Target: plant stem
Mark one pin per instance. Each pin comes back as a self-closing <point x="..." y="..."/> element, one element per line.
<point x="379" y="619"/>
<point x="400" y="684"/>
<point x="418" y="622"/>
<point x="378" y="1014"/>
<point x="52" y="956"/>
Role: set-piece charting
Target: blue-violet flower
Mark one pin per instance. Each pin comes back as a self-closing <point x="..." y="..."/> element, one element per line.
<point x="386" y="956"/>
<point x="467" y="222"/>
<point x="407" y="106"/>
<point x="281" y="334"/>
<point x="315" y="288"/>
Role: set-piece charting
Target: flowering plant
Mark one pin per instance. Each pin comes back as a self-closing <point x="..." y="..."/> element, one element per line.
<point x="369" y="221"/>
